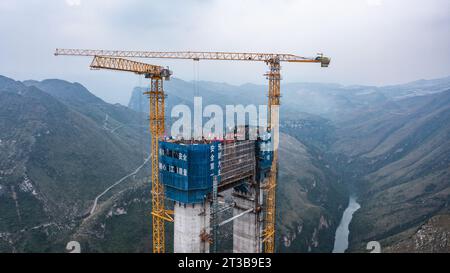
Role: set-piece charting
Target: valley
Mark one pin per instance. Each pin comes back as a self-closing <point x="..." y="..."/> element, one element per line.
<point x="63" y="150"/>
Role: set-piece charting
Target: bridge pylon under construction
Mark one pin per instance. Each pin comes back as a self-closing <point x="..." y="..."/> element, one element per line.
<point x="195" y="173"/>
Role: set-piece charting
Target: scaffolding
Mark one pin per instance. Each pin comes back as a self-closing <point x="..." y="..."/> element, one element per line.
<point x="238" y="162"/>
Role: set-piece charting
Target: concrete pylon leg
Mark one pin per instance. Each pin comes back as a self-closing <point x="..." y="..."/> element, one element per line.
<point x="191" y="228"/>
<point x="248" y="227"/>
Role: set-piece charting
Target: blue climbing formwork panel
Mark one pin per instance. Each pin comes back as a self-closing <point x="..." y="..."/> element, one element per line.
<point x="186" y="170"/>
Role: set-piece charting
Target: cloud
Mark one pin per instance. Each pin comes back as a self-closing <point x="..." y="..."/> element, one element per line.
<point x="374" y="3"/>
<point x="72" y="3"/>
<point x="370" y="41"/>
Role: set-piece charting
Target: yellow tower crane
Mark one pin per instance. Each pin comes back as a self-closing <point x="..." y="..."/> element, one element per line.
<point x="156" y="74"/>
<point x="273" y="60"/>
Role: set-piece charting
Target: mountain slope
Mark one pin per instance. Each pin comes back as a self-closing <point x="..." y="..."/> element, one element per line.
<point x="390" y="142"/>
<point x="60" y="146"/>
<point x="54" y="160"/>
<point x="310" y="199"/>
<point x="403" y="161"/>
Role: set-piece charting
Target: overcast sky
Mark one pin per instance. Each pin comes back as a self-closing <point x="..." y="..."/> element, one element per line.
<point x="373" y="42"/>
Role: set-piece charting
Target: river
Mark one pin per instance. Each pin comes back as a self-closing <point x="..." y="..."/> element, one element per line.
<point x="342" y="232"/>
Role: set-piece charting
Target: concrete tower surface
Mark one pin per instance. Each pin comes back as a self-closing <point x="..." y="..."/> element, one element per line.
<point x="191" y="228"/>
<point x="247" y="229"/>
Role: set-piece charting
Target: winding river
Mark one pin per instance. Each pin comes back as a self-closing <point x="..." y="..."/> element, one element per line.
<point x="342" y="232"/>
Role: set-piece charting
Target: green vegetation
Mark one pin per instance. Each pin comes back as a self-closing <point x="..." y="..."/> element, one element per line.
<point x="60" y="146"/>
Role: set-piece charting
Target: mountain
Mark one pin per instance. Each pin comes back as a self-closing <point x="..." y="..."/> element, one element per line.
<point x="417" y="88"/>
<point x="222" y="94"/>
<point x="431" y="237"/>
<point x="310" y="198"/>
<point x="61" y="147"/>
<point x="388" y="145"/>
<point x="331" y="101"/>
<point x="403" y="159"/>
<point x="56" y="155"/>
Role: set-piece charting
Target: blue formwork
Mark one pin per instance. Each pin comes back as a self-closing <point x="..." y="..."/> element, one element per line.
<point x="264" y="150"/>
<point x="187" y="170"/>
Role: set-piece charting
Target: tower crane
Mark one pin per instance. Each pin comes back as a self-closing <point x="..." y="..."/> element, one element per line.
<point x="156" y="74"/>
<point x="273" y="60"/>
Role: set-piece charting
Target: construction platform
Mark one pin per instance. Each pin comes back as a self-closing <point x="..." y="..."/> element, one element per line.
<point x="187" y="168"/>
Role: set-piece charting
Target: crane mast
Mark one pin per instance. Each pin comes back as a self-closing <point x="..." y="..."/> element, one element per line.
<point x="274" y="78"/>
<point x="156" y="95"/>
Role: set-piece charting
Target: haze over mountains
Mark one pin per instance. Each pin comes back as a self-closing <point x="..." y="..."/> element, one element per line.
<point x="60" y="147"/>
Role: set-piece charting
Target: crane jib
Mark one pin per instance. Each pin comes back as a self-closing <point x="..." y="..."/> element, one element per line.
<point x="193" y="55"/>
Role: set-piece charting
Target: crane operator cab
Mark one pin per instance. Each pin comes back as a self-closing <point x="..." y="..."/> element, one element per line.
<point x="324" y="61"/>
<point x="164" y="73"/>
